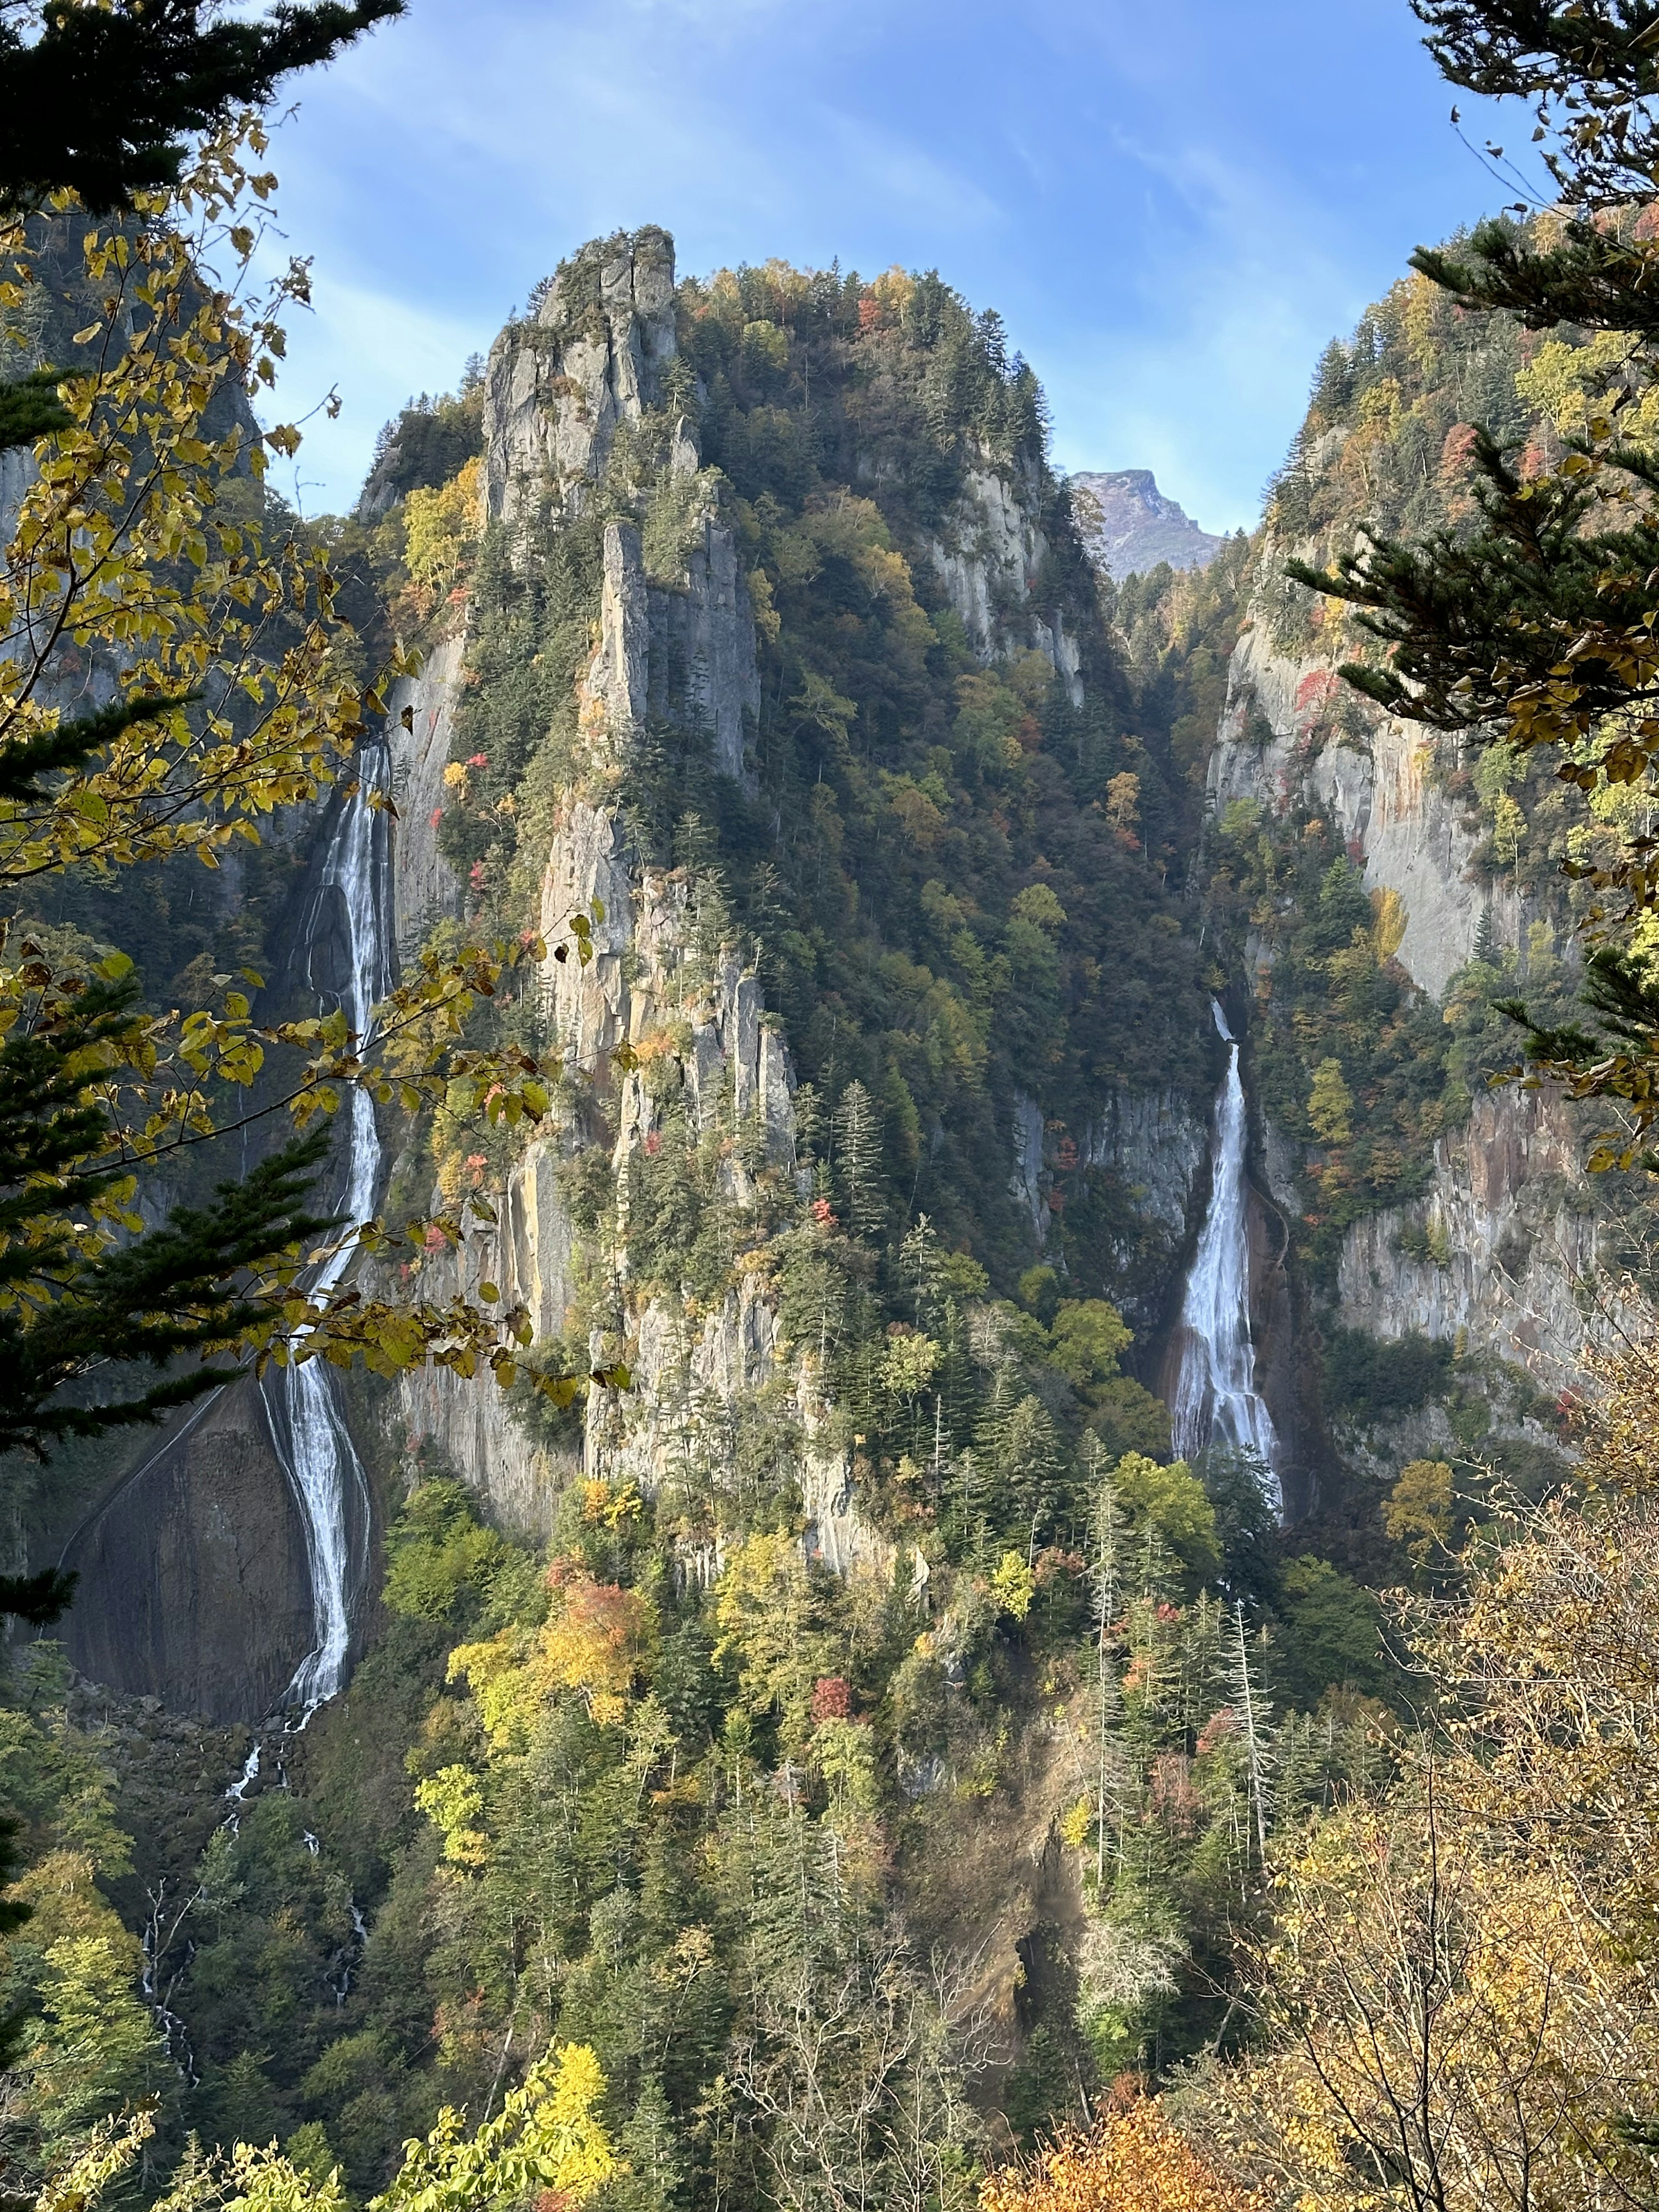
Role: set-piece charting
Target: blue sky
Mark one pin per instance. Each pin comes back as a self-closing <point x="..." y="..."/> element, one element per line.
<point x="1174" y="203"/>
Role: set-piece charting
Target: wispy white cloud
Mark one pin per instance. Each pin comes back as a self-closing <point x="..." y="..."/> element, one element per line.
<point x="378" y="352"/>
<point x="1173" y="207"/>
<point x="899" y="173"/>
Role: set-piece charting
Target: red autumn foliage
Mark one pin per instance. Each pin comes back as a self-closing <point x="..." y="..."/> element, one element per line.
<point x="832" y="1699"/>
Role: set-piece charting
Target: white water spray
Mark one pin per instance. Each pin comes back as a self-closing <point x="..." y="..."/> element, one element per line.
<point x="237" y="1793"/>
<point x="323" y="1462"/>
<point x="1216" y="1399"/>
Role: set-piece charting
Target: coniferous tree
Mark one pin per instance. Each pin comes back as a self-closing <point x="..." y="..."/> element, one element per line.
<point x="1033" y="1471"/>
<point x="858" y="1162"/>
<point x="954" y="1383"/>
<point x="1252" y="1711"/>
<point x="993" y="1437"/>
<point x="923" y="1271"/>
<point x="1106" y="1586"/>
<point x="101" y="99"/>
<point x="98" y="1312"/>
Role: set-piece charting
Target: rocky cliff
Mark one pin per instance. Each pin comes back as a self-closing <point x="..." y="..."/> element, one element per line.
<point x="594" y="422"/>
<point x="1379" y="784"/>
<point x="1384" y="889"/>
<point x="1130" y="527"/>
<point x="771" y="652"/>
<point x="195" y="1586"/>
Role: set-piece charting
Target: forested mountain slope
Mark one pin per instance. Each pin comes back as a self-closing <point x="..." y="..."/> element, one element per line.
<point x="857" y="1728"/>
<point x="781" y="644"/>
<point x="1380" y="891"/>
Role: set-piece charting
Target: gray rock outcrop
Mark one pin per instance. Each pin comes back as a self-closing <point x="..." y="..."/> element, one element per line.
<point x="1398" y="822"/>
<point x="1510" y="1203"/>
<point x="590" y="359"/>
<point x="1129" y="527"/>
<point x="989" y="561"/>
<point x="194" y="1585"/>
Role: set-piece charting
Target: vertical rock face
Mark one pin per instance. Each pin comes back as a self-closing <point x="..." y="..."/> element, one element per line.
<point x="685" y="656"/>
<point x="1026" y="1182"/>
<point x="988" y="562"/>
<point x="590" y="359"/>
<point x="1510" y="1210"/>
<point x="1156" y="1141"/>
<point x="194" y="1585"/>
<point x="1501" y="1253"/>
<point x="590" y="365"/>
<point x="1396" y="821"/>
<point x="425" y="887"/>
<point x="1154" y="1145"/>
<point x="587" y="384"/>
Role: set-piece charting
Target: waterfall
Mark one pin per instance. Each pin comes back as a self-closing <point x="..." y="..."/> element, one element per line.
<point x="1216" y="1399"/>
<point x="350" y="909"/>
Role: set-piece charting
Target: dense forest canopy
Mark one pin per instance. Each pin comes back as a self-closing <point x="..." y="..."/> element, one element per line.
<point x="873" y="1768"/>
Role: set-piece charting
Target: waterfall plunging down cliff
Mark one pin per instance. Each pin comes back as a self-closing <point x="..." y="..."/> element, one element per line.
<point x="349" y="910"/>
<point x="1216" y="1399"/>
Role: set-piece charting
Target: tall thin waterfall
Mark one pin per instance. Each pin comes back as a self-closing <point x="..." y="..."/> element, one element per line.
<point x="349" y="912"/>
<point x="1216" y="1399"/>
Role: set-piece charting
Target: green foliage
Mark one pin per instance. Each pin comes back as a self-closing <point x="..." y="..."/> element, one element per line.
<point x="118" y="1309"/>
<point x="1238" y="1487"/>
<point x="952" y="892"/>
<point x="1332" y="1637"/>
<point x="443" y="1565"/>
<point x="673" y="1791"/>
<point x="1368" y="1378"/>
<point x="106" y="99"/>
<point x="1345" y="1054"/>
<point x="1507" y="605"/>
<point x="1169" y="1507"/>
<point x="431" y="441"/>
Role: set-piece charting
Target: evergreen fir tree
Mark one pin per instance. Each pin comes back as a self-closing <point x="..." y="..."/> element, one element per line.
<point x="992" y="1437"/>
<point x="1251" y="1710"/>
<point x="1032" y="1474"/>
<point x="956" y="1383"/>
<point x="921" y="1270"/>
<point x="1486" y="938"/>
<point x="859" y="1163"/>
<point x="1332" y="384"/>
<point x="101" y="99"/>
<point x="1106" y="1537"/>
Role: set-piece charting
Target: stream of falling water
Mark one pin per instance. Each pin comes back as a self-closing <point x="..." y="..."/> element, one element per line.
<point x="326" y="1472"/>
<point x="1216" y="1399"/>
<point x="349" y="912"/>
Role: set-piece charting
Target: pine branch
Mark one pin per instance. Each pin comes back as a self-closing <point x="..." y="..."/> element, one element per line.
<point x="1590" y="71"/>
<point x="1593" y="277"/>
<point x="168" y="1293"/>
<point x="24" y="761"/>
<point x="30" y="408"/>
<point x="38" y="1600"/>
<point x="1477" y="621"/>
<point x="104" y="99"/>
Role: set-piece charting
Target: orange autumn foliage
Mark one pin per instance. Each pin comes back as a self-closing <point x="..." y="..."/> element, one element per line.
<point x="598" y="1638"/>
<point x="1133" y="2161"/>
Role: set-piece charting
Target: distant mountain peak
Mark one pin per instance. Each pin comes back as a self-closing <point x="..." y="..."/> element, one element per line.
<point x="1128" y="526"/>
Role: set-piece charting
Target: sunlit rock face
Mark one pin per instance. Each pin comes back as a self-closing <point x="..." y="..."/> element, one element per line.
<point x="1130" y="528"/>
<point x="584" y="381"/>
